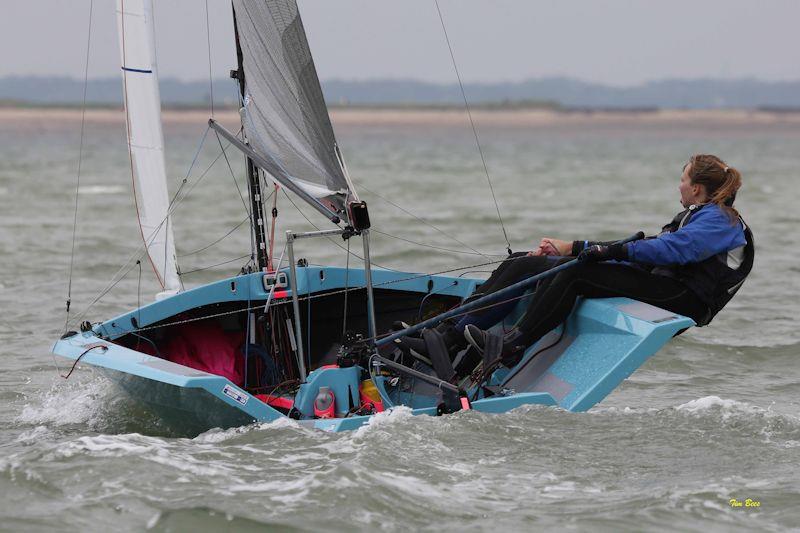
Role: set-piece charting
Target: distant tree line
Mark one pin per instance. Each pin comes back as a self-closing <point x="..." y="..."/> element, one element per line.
<point x="550" y="93"/>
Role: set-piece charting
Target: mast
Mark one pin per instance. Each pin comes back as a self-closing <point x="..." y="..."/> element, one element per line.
<point x="146" y="138"/>
<point x="257" y="219"/>
<point x="289" y="135"/>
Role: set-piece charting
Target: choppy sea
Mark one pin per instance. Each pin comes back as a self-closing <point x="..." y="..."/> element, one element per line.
<point x="713" y="417"/>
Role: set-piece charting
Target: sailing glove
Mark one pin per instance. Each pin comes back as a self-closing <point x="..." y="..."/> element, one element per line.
<point x="597" y="252"/>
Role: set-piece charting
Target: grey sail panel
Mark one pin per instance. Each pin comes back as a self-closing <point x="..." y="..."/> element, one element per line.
<point x="284" y="113"/>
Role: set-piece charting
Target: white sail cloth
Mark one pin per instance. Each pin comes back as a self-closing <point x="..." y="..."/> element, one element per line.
<point x="145" y="137"/>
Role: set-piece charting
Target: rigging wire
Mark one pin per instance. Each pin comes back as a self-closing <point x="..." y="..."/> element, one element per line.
<point x="138" y="300"/>
<point x="233" y="175"/>
<point x="273" y="223"/>
<point x="420" y="219"/>
<point x="451" y="250"/>
<point x="347" y="249"/>
<point x="127" y="266"/>
<point x="332" y="293"/>
<point x="330" y="239"/>
<point x="272" y="288"/>
<point x="472" y="124"/>
<point x="210" y="79"/>
<point x="346" y="286"/>
<point x="80" y="161"/>
<point x="216" y="264"/>
<point x="247" y="207"/>
<point x="206" y="247"/>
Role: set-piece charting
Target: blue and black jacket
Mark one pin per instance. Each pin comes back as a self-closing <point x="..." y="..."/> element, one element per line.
<point x="703" y="249"/>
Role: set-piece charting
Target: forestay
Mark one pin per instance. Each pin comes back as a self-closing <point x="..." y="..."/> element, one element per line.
<point x="284" y="114"/>
<point x="145" y="137"/>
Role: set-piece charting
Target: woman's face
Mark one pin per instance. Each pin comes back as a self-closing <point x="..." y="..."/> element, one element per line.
<point x="690" y="193"/>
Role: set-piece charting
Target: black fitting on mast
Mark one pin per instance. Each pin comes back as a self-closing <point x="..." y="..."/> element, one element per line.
<point x="359" y="219"/>
<point x="358" y="215"/>
<point x="257" y="219"/>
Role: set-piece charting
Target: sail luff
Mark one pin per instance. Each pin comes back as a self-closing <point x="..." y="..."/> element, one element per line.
<point x="258" y="230"/>
<point x="145" y="136"/>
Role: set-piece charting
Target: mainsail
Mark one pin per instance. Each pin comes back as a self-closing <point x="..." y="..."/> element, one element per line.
<point x="145" y="137"/>
<point x="284" y="114"/>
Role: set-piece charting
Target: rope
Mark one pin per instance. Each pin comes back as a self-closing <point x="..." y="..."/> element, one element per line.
<point x="80" y="161"/>
<point x="472" y="124"/>
<point x="89" y="349"/>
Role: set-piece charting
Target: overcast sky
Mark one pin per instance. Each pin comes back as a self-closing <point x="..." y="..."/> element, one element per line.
<point x="618" y="42"/>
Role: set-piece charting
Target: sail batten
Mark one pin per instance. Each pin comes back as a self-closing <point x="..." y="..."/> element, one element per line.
<point x="284" y="113"/>
<point x="145" y="137"/>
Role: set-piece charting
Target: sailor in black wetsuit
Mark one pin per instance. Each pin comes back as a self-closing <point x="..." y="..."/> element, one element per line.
<point x="693" y="267"/>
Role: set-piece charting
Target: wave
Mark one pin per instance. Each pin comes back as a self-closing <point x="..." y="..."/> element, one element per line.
<point x="96" y="190"/>
<point x="726" y="417"/>
<point x="203" y="518"/>
<point x="67" y="403"/>
<point x="712" y="403"/>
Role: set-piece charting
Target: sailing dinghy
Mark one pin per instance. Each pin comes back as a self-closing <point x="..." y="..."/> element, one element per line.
<point x="232" y="352"/>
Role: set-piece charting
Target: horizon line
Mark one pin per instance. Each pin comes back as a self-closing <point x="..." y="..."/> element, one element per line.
<point x="749" y="78"/>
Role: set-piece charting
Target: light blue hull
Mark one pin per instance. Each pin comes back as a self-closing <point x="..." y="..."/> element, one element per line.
<point x="604" y="342"/>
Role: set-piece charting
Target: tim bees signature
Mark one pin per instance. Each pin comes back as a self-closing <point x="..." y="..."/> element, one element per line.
<point x="747" y="503"/>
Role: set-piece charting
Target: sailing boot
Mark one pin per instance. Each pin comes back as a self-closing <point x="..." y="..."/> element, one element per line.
<point x="410" y="344"/>
<point x="413" y="343"/>
<point x="454" y="340"/>
<point x="513" y="344"/>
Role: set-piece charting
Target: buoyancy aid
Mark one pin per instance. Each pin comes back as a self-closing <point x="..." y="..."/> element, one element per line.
<point x="716" y="279"/>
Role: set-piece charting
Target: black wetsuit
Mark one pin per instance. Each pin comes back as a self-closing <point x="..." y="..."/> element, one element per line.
<point x="683" y="288"/>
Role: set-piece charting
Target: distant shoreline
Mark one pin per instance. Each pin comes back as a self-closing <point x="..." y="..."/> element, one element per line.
<point x="20" y="117"/>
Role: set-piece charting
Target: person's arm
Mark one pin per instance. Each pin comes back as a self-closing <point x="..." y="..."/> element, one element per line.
<point x="550" y="246"/>
<point x="579" y="246"/>
<point x="708" y="233"/>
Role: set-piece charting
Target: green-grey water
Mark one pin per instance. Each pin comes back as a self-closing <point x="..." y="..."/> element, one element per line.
<point x="714" y="416"/>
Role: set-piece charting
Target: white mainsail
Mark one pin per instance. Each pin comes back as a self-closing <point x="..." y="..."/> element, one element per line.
<point x="145" y="137"/>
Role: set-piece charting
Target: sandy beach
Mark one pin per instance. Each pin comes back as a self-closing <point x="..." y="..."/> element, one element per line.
<point x="12" y="118"/>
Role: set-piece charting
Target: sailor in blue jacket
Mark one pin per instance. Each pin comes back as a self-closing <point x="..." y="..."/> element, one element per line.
<point x="693" y="267"/>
